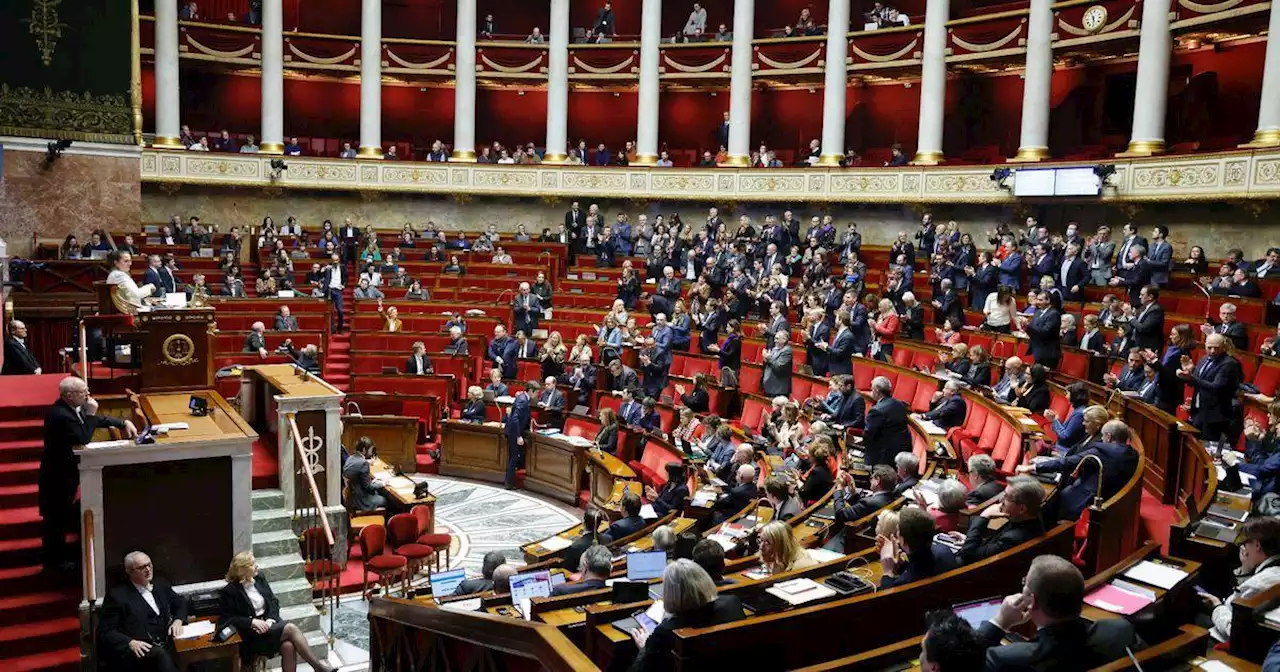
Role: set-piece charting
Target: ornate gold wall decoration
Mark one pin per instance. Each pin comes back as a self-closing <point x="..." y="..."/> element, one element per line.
<point x="45" y="26"/>
<point x="65" y="114"/>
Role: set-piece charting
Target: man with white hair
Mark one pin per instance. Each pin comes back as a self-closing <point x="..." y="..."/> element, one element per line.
<point x="907" y="468"/>
<point x="738" y="497"/>
<point x="457" y="344"/>
<point x="1079" y="487"/>
<point x="948" y="407"/>
<point x="1015" y="375"/>
<point x="140" y="620"/>
<point x="551" y="402"/>
<point x="528" y="308"/>
<point x="885" y="433"/>
<point x="912" y="317"/>
<point x="666" y="293"/>
<point x="69" y="423"/>
<point x="255" y="341"/>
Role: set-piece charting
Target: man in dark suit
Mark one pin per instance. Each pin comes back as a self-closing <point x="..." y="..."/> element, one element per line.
<point x="1215" y="381"/>
<point x="852" y="412"/>
<point x="285" y="321"/>
<point x="140" y="620"/>
<point x="1051" y="598"/>
<point x="551" y="402"/>
<point x="851" y="505"/>
<point x="1078" y="488"/>
<point x="574" y="220"/>
<point x="722" y="133"/>
<point x="528" y="310"/>
<point x="1160" y="256"/>
<point x="503" y="352"/>
<point x="1226" y="325"/>
<point x="840" y="351"/>
<point x="152" y="276"/>
<point x="596" y="564"/>
<point x="737" y="497"/>
<point x="604" y="27"/>
<point x="948" y="410"/>
<point x="912" y="319"/>
<point x="982" y="478"/>
<point x="1020" y="507"/>
<point x="859" y="326"/>
<point x="1010" y="268"/>
<point x="816" y="358"/>
<point x="418" y="363"/>
<point x="69" y="422"/>
<point x="654" y="364"/>
<point x="622" y="377"/>
<point x="947" y="305"/>
<point x="515" y="427"/>
<point x="349" y="236"/>
<point x="1044" y="330"/>
<point x="1136" y="274"/>
<point x="1147" y="326"/>
<point x="630" y="522"/>
<point x="18" y="360"/>
<point x="1072" y="274"/>
<point x="1124" y="256"/>
<point x="492" y="561"/>
<point x="886" y="432"/>
<point x="333" y="281"/>
<point x="1130" y="377"/>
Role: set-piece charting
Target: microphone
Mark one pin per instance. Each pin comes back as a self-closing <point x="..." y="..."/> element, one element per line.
<point x="1097" y="495"/>
<point x="358" y="413"/>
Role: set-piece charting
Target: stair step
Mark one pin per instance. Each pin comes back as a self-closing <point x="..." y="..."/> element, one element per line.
<point x="305" y="616"/>
<point x="275" y="543"/>
<point x="37" y="606"/>
<point x="272" y="520"/>
<point x="27" y="450"/>
<point x="20" y="523"/>
<point x="280" y="568"/>
<point x="40" y="636"/>
<point x="31" y="578"/>
<point x="267" y="498"/>
<point x="22" y="428"/>
<point x="62" y="660"/>
<point x="21" y="552"/>
<point x="19" y="473"/>
<point x="292" y="591"/>
<point x="12" y="496"/>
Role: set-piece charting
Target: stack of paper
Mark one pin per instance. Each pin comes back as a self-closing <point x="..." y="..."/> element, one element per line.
<point x="1118" y="600"/>
<point x="704" y="497"/>
<point x="726" y="542"/>
<point x="196" y="629"/>
<point x="554" y="544"/>
<point x="929" y="427"/>
<point x="800" y="591"/>
<point x="648" y="513"/>
<point x="1273" y="617"/>
<point x="1159" y="575"/>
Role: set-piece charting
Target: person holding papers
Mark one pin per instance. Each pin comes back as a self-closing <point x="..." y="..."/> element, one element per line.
<point x="630" y="522"/>
<point x="689" y="598"/>
<point x="1259" y="570"/>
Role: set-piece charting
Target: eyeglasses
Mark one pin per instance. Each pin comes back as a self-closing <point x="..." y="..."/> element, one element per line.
<point x="141" y="568"/>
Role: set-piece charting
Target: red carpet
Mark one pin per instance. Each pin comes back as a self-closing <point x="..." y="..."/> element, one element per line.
<point x="266" y="463"/>
<point x="39" y="626"/>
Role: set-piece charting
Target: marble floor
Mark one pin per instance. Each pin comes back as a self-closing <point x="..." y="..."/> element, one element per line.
<point x="482" y="518"/>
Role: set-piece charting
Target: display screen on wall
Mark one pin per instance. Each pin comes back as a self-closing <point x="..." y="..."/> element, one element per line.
<point x="1055" y="182"/>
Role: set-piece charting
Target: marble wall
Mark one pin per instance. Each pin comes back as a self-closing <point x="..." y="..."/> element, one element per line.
<point x="1217" y="227"/>
<point x="75" y="195"/>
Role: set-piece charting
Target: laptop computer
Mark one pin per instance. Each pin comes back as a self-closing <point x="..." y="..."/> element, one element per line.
<point x="444" y="583"/>
<point x="646" y="565"/>
<point x="977" y="611"/>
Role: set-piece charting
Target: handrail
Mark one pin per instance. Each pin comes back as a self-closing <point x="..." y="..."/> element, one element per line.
<point x="90" y="589"/>
<point x="311" y="478"/>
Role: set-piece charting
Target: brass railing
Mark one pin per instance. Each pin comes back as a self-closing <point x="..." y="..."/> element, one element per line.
<point x="316" y="539"/>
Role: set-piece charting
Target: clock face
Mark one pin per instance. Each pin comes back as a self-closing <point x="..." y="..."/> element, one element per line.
<point x="178" y="349"/>
<point x="1094" y="18"/>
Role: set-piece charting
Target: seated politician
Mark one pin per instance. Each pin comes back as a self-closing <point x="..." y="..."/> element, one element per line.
<point x="592" y="535"/>
<point x="948" y="407"/>
<point x="247" y="604"/>
<point x="367" y="493"/>
<point x="476" y="409"/>
<point x="630" y="522"/>
<point x="495" y="576"/>
<point x="595" y="566"/>
<point x="737" y="497"/>
<point x="674" y="492"/>
<point x="852" y="505"/>
<point x="1019" y="507"/>
<point x="1051" y="599"/>
<point x="140" y="619"/>
<point x="690" y="600"/>
<point x="779" y="551"/>
<point x="912" y="554"/>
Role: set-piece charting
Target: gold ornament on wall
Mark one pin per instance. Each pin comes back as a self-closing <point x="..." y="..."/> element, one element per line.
<point x="178" y="350"/>
<point x="45" y="27"/>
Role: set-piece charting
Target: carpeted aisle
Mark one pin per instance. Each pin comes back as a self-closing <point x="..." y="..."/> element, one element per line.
<point x="39" y="626"/>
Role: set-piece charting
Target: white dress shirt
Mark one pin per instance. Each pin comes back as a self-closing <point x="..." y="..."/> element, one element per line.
<point x="255" y="598"/>
<point x="132" y="292"/>
<point x="145" y="591"/>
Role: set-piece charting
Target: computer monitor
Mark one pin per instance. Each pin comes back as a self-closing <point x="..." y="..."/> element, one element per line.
<point x="646" y="565"/>
<point x="444" y="583"/>
<point x="530" y="585"/>
<point x="978" y="611"/>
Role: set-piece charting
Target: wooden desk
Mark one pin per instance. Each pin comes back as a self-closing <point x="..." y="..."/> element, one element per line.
<point x="401" y="488"/>
<point x="473" y="450"/>
<point x="610" y="479"/>
<point x="202" y="649"/>
<point x="554" y="467"/>
<point x="222" y="421"/>
<point x="396" y="437"/>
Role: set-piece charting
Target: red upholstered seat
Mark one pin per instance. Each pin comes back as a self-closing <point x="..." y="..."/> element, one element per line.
<point x="436" y="540"/>
<point x="749" y="380"/>
<point x="386" y="562"/>
<point x="377" y="559"/>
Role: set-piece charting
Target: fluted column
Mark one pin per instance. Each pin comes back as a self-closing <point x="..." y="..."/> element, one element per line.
<point x="744" y="21"/>
<point x="464" y="94"/>
<point x="933" y="83"/>
<point x="1034" y="142"/>
<point x="1155" y="47"/>
<point x="272" y="141"/>
<point x="647" y="117"/>
<point x="168" y="113"/>
<point x="558" y="83"/>
<point x="371" y="79"/>
<point x="1268" y="133"/>
<point x="835" y="83"/>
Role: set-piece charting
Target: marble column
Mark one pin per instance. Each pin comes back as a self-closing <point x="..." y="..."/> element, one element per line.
<point x="1155" y="48"/>
<point x="744" y="20"/>
<point x="558" y="84"/>
<point x="464" y="93"/>
<point x="168" y="112"/>
<point x="835" y="83"/>
<point x="272" y="140"/>
<point x="647" y="117"/>
<point x="1268" y="133"/>
<point x="933" y="84"/>
<point x="370" y="79"/>
<point x="1034" y="142"/>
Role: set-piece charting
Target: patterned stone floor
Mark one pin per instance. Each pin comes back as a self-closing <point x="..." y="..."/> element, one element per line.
<point x="482" y="518"/>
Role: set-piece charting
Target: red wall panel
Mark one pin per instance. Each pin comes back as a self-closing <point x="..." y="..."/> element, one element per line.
<point x="509" y="117"/>
<point x="213" y="101"/>
<point x="322" y="109"/>
<point x="420" y="116"/>
<point x="785" y="118"/>
<point x="602" y="116"/>
<point x="691" y="119"/>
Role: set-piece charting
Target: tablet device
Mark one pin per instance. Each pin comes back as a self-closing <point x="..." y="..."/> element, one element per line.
<point x="977" y="611"/>
<point x="646" y="565"/>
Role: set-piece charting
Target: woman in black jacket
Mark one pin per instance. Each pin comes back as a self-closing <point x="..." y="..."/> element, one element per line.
<point x="819" y="481"/>
<point x="979" y="373"/>
<point x="591" y="535"/>
<point x="1034" y="395"/>
<point x="247" y="604"/>
<point x="475" y="410"/>
<point x="689" y="596"/>
<point x="697" y="399"/>
<point x="673" y="493"/>
<point x="607" y="437"/>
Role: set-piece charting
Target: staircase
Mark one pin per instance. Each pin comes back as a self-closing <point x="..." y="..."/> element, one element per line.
<point x="337" y="362"/>
<point x="39" y="625"/>
<point x="275" y="547"/>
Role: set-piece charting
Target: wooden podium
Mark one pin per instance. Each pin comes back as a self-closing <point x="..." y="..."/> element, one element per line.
<point x="177" y="349"/>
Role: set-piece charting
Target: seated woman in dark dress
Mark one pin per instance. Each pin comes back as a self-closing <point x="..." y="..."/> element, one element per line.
<point x="475" y="410"/>
<point x="607" y="437"/>
<point x="689" y="596"/>
<point x="674" y="492"/>
<point x="247" y="604"/>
